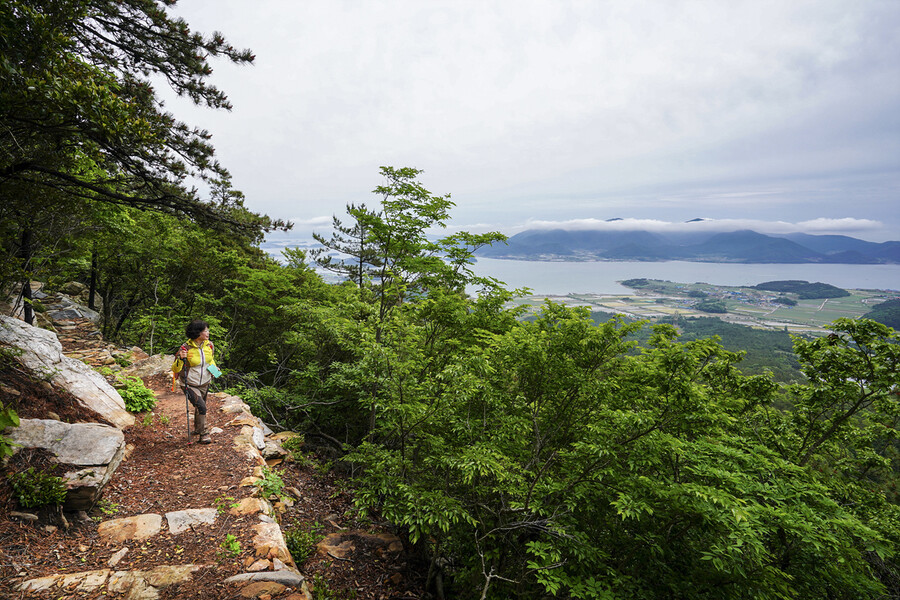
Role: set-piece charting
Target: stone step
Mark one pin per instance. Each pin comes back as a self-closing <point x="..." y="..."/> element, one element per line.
<point x="143" y="585"/>
<point x="140" y="527"/>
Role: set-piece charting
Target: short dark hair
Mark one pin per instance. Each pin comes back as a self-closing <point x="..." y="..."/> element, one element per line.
<point x="195" y="328"/>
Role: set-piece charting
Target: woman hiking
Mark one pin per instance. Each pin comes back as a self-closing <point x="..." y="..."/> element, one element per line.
<point x="197" y="366"/>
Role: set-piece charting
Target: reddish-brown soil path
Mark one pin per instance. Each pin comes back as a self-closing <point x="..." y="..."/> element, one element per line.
<point x="164" y="473"/>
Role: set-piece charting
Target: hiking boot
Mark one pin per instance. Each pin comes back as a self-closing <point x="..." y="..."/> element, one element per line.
<point x="205" y="439"/>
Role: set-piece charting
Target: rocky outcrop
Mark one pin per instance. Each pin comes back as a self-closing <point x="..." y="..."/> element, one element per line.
<point x="42" y="354"/>
<point x="70" y="302"/>
<point x="97" y="448"/>
<point x="67" y="309"/>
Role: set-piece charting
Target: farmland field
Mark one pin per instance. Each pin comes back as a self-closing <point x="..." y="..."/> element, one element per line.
<point x="746" y="306"/>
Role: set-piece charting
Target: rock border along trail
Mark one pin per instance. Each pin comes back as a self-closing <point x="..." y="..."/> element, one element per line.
<point x="217" y="499"/>
<point x="250" y="518"/>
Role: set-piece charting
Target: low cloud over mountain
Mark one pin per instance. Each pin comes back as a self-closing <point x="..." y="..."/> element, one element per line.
<point x="819" y="226"/>
<point x="699" y="239"/>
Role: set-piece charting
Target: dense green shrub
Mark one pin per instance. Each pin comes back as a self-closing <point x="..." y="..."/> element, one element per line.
<point x="135" y="394"/>
<point x="583" y="471"/>
<point x="36" y="488"/>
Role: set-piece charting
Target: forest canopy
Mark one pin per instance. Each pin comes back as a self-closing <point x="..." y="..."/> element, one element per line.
<point x="804" y="289"/>
<point x="888" y="312"/>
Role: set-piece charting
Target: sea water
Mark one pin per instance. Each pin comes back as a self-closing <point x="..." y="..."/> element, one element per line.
<point x="601" y="277"/>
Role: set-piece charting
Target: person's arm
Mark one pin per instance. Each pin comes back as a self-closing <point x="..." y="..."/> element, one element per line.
<point x="180" y="357"/>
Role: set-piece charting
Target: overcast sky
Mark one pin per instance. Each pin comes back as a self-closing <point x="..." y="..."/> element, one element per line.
<point x="782" y="115"/>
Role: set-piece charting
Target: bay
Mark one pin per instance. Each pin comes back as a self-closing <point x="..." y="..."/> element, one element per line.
<point x="601" y="277"/>
<point x="560" y="278"/>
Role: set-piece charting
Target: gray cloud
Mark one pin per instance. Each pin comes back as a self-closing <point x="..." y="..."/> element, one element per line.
<point x="845" y="226"/>
<point x="565" y="110"/>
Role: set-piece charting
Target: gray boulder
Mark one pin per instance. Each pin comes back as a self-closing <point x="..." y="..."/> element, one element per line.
<point x="97" y="448"/>
<point x="273" y="450"/>
<point x="42" y="354"/>
<point x="158" y="364"/>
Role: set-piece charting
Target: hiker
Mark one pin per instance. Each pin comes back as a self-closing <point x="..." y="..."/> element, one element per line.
<point x="197" y="355"/>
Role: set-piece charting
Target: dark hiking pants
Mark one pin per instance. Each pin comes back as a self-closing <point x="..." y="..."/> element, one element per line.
<point x="196" y="395"/>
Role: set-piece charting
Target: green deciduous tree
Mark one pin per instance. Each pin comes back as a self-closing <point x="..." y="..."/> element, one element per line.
<point x="853" y="375"/>
<point x="547" y="458"/>
<point x="395" y="260"/>
<point x="411" y="311"/>
<point x="391" y="251"/>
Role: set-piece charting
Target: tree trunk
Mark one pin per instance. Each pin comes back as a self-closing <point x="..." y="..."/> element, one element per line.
<point x="26" y="300"/>
<point x="106" y="294"/>
<point x="93" y="286"/>
<point x="126" y="313"/>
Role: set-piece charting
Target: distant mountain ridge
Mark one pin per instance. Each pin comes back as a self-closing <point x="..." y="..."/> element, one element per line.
<point x="743" y="246"/>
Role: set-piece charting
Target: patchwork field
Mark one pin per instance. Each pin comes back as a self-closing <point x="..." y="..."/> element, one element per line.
<point x="746" y="306"/>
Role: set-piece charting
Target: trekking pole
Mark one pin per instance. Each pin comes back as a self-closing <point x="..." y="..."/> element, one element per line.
<point x="187" y="415"/>
<point x="187" y="408"/>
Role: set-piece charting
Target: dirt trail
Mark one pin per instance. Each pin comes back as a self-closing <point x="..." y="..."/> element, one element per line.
<point x="164" y="474"/>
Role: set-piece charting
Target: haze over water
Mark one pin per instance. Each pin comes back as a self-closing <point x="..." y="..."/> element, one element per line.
<point x="560" y="278"/>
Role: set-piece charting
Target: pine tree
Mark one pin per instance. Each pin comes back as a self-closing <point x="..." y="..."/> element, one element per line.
<point x="78" y="113"/>
<point x="352" y="241"/>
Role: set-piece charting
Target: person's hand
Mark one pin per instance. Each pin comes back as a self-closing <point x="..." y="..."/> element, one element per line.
<point x="182" y="353"/>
